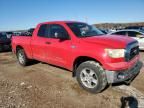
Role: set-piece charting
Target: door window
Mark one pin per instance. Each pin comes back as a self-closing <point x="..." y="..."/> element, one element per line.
<point x="44" y="30"/>
<point x="133" y="34"/>
<point x="120" y="33"/>
<point x="57" y="31"/>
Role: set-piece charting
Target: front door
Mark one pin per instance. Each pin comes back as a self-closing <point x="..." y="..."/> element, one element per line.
<point x="58" y="49"/>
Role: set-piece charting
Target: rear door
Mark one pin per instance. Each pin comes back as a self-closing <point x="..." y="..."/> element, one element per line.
<point x="40" y="42"/>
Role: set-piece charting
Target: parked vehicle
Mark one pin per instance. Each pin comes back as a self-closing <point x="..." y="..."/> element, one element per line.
<point x="28" y="32"/>
<point x="9" y="34"/>
<point x="136" y="34"/>
<point x="104" y="31"/>
<point x="5" y="42"/>
<point x="16" y="33"/>
<point x="94" y="58"/>
<point x="135" y="27"/>
<point x="31" y="30"/>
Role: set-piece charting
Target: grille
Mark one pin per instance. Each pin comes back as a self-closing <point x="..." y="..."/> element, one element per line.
<point x="131" y="51"/>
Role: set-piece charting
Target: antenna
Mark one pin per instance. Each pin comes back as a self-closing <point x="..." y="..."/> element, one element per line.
<point x="86" y="19"/>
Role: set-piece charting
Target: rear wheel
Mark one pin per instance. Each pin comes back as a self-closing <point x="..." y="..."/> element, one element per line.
<point x="22" y="58"/>
<point x="91" y="76"/>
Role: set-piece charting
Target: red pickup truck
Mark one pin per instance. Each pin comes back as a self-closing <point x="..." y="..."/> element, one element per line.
<point x="94" y="58"/>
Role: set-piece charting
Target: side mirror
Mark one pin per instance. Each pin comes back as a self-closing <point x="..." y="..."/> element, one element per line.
<point x="60" y="35"/>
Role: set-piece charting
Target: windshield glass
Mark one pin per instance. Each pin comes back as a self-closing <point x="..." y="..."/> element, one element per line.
<point x="84" y="30"/>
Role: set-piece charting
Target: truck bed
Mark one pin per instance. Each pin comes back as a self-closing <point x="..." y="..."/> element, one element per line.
<point x="24" y="41"/>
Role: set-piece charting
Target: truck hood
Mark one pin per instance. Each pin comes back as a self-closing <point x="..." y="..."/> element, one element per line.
<point x="112" y="41"/>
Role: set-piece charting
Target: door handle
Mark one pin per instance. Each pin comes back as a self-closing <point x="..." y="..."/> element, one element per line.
<point x="48" y="42"/>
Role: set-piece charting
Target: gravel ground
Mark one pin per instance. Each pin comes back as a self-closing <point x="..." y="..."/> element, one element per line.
<point x="43" y="86"/>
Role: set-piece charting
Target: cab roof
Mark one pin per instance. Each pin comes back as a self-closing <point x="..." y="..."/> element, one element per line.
<point x="60" y="22"/>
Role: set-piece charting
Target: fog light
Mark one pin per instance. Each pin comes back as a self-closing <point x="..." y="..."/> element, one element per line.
<point x="120" y="76"/>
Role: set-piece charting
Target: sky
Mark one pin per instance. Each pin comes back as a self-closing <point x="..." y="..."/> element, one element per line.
<point x="24" y="14"/>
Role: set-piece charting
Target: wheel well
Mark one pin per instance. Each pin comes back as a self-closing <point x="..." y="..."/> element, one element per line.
<point x="18" y="47"/>
<point x="80" y="60"/>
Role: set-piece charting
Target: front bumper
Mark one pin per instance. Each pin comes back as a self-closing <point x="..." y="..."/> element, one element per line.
<point x="124" y="75"/>
<point x="121" y="65"/>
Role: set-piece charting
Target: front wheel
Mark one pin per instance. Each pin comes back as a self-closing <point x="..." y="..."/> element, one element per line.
<point x="91" y="76"/>
<point x="22" y="58"/>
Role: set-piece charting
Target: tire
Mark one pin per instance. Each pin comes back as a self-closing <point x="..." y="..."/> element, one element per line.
<point x="22" y="58"/>
<point x="91" y="76"/>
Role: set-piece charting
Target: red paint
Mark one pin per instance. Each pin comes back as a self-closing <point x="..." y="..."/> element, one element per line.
<point x="62" y="54"/>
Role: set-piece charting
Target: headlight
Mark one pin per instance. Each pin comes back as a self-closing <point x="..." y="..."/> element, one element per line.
<point x="115" y="53"/>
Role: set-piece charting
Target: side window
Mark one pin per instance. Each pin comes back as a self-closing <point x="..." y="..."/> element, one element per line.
<point x="120" y="33"/>
<point x="133" y="33"/>
<point x="43" y="30"/>
<point x="56" y="29"/>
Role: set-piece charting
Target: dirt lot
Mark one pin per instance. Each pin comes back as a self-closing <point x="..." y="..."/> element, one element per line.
<point x="43" y="86"/>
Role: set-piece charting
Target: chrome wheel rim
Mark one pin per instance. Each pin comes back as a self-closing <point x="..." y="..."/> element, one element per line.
<point x="21" y="58"/>
<point x="89" y="78"/>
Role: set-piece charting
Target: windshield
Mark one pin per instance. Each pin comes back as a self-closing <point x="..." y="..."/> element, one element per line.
<point x="84" y="30"/>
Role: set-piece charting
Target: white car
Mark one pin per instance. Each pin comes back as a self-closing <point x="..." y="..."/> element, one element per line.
<point x="136" y="34"/>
